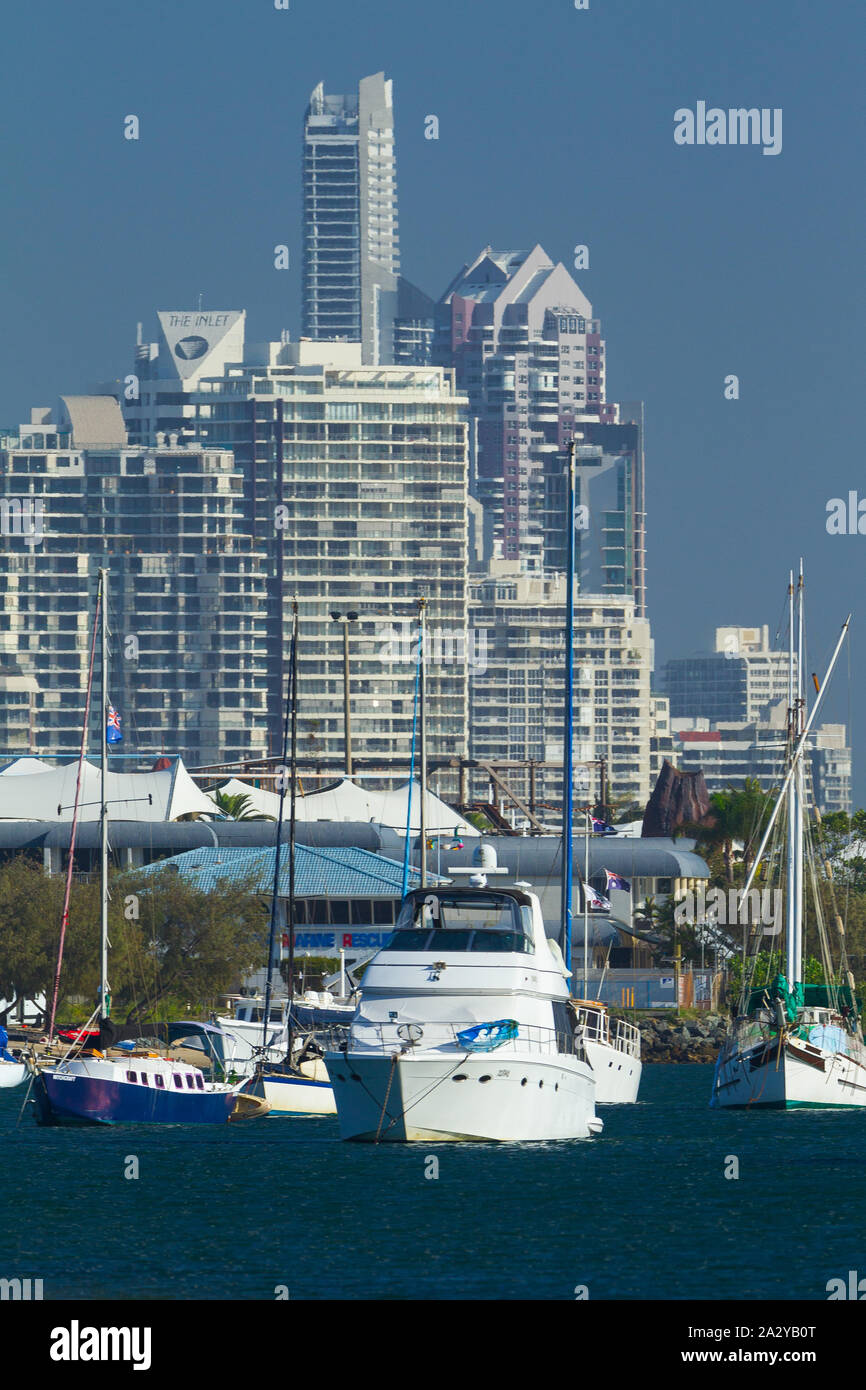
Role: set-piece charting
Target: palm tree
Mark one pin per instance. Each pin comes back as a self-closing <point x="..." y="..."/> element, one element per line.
<point x="237" y="806"/>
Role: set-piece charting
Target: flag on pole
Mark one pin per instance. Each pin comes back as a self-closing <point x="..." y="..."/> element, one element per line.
<point x="616" y="881"/>
<point x="113" y="732"/>
<point x="594" y="901"/>
<point x="601" y="827"/>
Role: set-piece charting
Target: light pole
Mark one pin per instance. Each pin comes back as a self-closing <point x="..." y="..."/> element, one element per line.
<point x="345" y="619"/>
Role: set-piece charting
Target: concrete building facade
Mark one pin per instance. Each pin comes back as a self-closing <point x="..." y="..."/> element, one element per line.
<point x="187" y="590"/>
<point x="516" y="703"/>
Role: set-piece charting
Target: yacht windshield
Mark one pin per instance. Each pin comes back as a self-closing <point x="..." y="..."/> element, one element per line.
<point x="462" y="922"/>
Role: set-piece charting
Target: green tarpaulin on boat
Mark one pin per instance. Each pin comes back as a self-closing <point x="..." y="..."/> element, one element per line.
<point x="813" y="996"/>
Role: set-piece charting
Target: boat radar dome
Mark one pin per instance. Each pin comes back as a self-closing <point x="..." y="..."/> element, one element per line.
<point x="484" y="856"/>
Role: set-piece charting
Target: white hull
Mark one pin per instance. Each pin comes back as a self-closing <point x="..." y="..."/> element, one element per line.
<point x="507" y="1097"/>
<point x="289" y="1095"/>
<point x="617" y="1074"/>
<point x="11" y="1074"/>
<point x="791" y="1077"/>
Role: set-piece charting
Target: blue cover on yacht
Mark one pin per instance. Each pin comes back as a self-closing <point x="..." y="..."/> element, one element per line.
<point x="485" y="1036"/>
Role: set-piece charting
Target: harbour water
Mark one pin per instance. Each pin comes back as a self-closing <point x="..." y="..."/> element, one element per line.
<point x="643" y="1212"/>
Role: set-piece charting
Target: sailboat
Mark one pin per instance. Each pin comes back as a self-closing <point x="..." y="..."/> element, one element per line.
<point x="87" y="1084"/>
<point x="791" y="1044"/>
<point x="612" y="1045"/>
<point x="297" y="1083"/>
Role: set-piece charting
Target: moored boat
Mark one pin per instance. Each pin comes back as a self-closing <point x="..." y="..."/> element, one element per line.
<point x="464" y="1029"/>
<point x="793" y="1044"/>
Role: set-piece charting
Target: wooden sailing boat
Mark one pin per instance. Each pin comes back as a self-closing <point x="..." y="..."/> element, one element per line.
<point x="612" y="1045"/>
<point x="298" y="1085"/>
<point x="89" y="1085"/>
<point x="791" y="1044"/>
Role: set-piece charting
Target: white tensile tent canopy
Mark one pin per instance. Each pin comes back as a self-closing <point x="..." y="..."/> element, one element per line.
<point x="349" y="802"/>
<point x="142" y="796"/>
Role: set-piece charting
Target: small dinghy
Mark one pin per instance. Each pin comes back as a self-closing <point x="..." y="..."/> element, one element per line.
<point x="12" y="1069"/>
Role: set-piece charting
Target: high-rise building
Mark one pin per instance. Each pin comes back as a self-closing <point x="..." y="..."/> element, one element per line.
<point x="517" y="692"/>
<point x="529" y="354"/>
<point x="369" y="470"/>
<point x="727" y="752"/>
<point x="187" y="589"/>
<point x="736" y="683"/>
<point x="352" y="287"/>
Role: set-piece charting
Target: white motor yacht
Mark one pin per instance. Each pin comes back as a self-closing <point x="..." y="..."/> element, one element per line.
<point x="465" y="1029"/>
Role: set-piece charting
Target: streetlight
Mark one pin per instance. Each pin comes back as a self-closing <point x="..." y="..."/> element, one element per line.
<point x="345" y="619"/>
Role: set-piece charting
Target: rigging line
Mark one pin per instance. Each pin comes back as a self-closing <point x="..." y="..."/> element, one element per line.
<point x="70" y="863"/>
<point x="394" y="1059"/>
<point x="430" y="1089"/>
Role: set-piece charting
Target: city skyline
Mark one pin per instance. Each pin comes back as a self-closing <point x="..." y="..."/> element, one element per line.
<point x="687" y="290"/>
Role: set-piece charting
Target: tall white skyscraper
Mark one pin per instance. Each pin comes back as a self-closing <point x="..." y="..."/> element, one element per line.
<point x="352" y="287"/>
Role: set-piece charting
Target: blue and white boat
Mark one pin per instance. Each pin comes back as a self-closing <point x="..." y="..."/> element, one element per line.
<point x="95" y="1089"/>
<point x="88" y="1086"/>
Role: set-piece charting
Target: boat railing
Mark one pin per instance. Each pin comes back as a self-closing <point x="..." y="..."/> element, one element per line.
<point x="598" y="1026"/>
<point x="443" y="1036"/>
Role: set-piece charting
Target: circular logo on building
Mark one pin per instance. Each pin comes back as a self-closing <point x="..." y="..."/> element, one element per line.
<point x="192" y="347"/>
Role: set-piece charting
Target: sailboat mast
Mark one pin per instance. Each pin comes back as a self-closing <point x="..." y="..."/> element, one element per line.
<point x="104" y="988"/>
<point x="568" y="731"/>
<point x="293" y="781"/>
<point x="422" y="733"/>
<point x="791" y="889"/>
<point x="799" y="781"/>
<point x="272" y="936"/>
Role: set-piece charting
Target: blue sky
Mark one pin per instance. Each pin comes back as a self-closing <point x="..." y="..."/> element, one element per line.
<point x="556" y="126"/>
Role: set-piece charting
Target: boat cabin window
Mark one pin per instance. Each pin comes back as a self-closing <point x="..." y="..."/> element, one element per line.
<point x="190" y="1081"/>
<point x="256" y="1015"/>
<point x="132" y="1076"/>
<point x="158" y="1082"/>
<point x="452" y="922"/>
<point x="144" y="1078"/>
<point x="178" y="1081"/>
<point x="199" y="1081"/>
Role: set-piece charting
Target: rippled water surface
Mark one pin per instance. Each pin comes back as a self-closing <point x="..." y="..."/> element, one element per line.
<point x="644" y="1211"/>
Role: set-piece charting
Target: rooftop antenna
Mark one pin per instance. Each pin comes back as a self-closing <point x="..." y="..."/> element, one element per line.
<point x="199" y="300"/>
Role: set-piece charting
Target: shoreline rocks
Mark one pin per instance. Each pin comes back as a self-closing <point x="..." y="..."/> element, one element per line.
<point x="672" y="1039"/>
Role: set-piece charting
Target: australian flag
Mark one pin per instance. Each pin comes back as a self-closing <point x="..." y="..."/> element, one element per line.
<point x="616" y="881"/>
<point x="113" y="733"/>
<point x="601" y="827"/>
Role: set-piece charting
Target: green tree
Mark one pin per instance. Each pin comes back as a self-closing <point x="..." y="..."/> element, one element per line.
<point x="237" y="805"/>
<point x="186" y="943"/>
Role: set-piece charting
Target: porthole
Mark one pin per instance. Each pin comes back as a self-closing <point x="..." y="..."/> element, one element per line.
<point x="540" y="1084"/>
<point x="619" y="1068"/>
<point x="556" y="1087"/>
<point x="356" y="1078"/>
<point x="523" y="1082"/>
<point x="461" y="1076"/>
<point x="485" y="1078"/>
<point x="610" y="1064"/>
